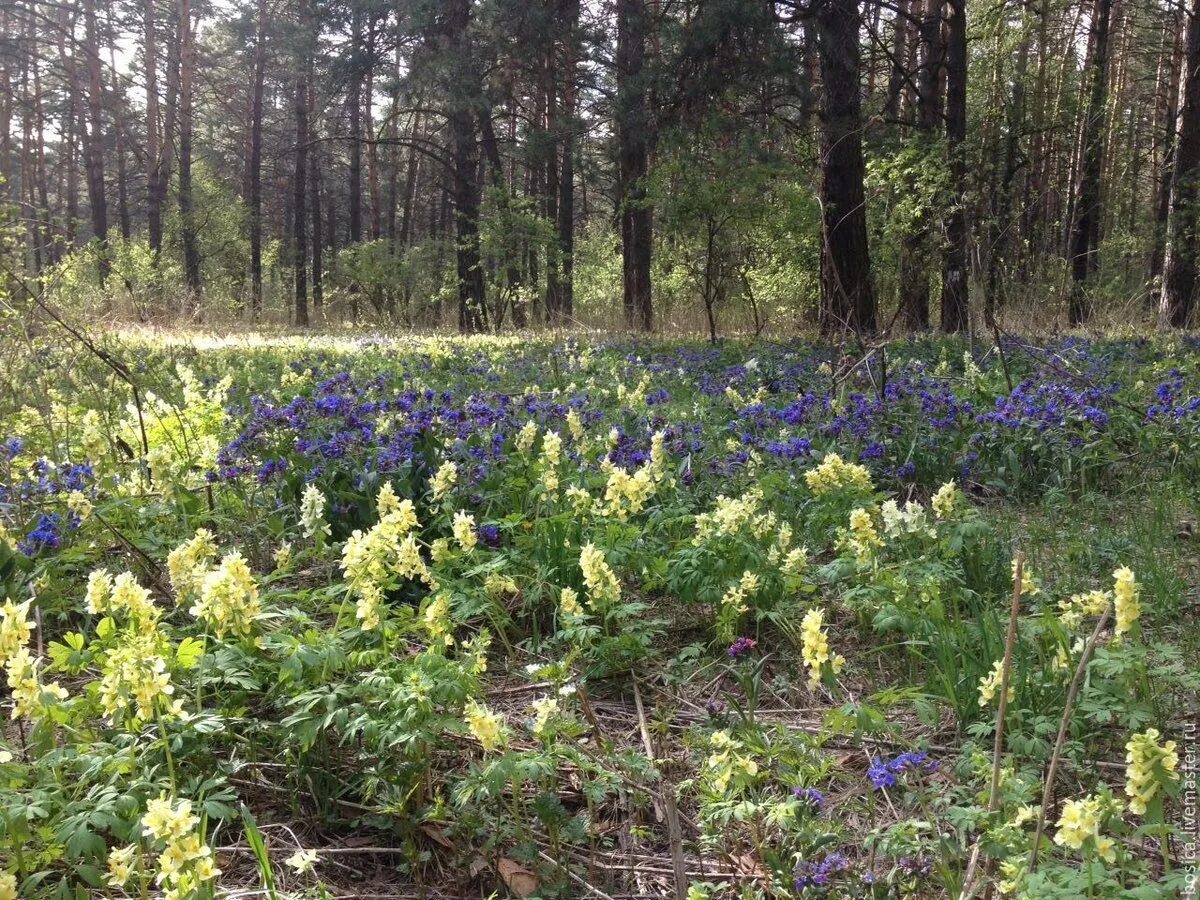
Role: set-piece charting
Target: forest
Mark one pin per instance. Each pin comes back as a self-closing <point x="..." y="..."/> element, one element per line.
<point x="599" y="449"/>
<point x="713" y="166"/>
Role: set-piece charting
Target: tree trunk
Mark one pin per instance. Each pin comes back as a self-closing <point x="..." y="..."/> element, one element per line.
<point x="464" y="96"/>
<point x="1183" y="224"/>
<point x="95" y="141"/>
<point x="915" y="252"/>
<point x="566" y="183"/>
<point x="898" y="77"/>
<point x="300" y="178"/>
<point x="847" y="296"/>
<point x="256" y="121"/>
<point x="955" y="309"/>
<point x="314" y="179"/>
<point x="633" y="123"/>
<point x="154" y="193"/>
<point x="355" y="101"/>
<point x="187" y="223"/>
<point x="1085" y="228"/>
<point x="118" y="120"/>
<point x="1166" y="122"/>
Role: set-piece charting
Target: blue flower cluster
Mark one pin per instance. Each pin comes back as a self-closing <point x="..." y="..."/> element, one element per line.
<point x="884" y="774"/>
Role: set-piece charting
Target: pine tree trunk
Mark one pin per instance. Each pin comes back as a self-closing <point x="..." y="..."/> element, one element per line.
<point x="187" y="223"/>
<point x="955" y="308"/>
<point x="633" y="122"/>
<point x="255" y="175"/>
<point x="314" y="183"/>
<point x="154" y="193"/>
<point x="847" y="295"/>
<point x="1085" y="228"/>
<point x="95" y="141"/>
<point x="1183" y="225"/>
<point x="300" y="182"/>
<point x="566" y="183"/>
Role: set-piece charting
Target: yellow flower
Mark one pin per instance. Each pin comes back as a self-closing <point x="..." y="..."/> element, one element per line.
<point x="834" y="473"/>
<point x="30" y="696"/>
<point x="1029" y="587"/>
<point x="135" y="676"/>
<point x="944" y="500"/>
<point x="8" y="886"/>
<point x="600" y="580"/>
<point x="167" y="820"/>
<point x="386" y="501"/>
<point x="188" y="563"/>
<point x="120" y="865"/>
<point x="80" y="505"/>
<point x="863" y="538"/>
<point x="229" y="597"/>
<point x="464" y="531"/>
<point x="526" y="436"/>
<point x="1079" y="821"/>
<point x="130" y="597"/>
<point x="568" y="602"/>
<point x="486" y="726"/>
<point x="1149" y="766"/>
<point x="437" y="618"/>
<point x="302" y="861"/>
<point x="283" y="556"/>
<point x="544" y="709"/>
<point x="989" y="684"/>
<point x="1127" y="592"/>
<point x="814" y="647"/>
<point x="15" y="628"/>
<point x="444" y="479"/>
<point x="551" y="456"/>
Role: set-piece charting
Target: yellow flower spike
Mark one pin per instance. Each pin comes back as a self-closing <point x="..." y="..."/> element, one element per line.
<point x="814" y="647"/>
<point x="444" y="479"/>
<point x="1127" y="593"/>
<point x="464" y="531"/>
<point x="486" y="726"/>
<point x="1149" y="766"/>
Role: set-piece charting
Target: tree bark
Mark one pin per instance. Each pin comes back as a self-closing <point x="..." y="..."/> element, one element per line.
<point x="1085" y="228"/>
<point x="255" y="179"/>
<point x="355" y="101"/>
<point x="464" y="96"/>
<point x="95" y="141"/>
<point x="1183" y="224"/>
<point x="154" y="193"/>
<point x="633" y="123"/>
<point x="955" y="309"/>
<point x="187" y="223"/>
<point x="566" y="183"/>
<point x="847" y="295"/>
<point x="300" y="178"/>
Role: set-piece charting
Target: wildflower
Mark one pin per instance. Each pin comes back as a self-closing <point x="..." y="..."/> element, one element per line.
<point x="30" y="697"/>
<point x="526" y="436"/>
<point x="229" y="597"/>
<point x="120" y="865"/>
<point x="1150" y="765"/>
<point x="575" y="425"/>
<point x="734" y="599"/>
<point x="444" y="479"/>
<point x="795" y="562"/>
<point x="810" y="796"/>
<point x="79" y="506"/>
<point x="883" y="774"/>
<point x="302" y="861"/>
<point x="8" y="886"/>
<point x="437" y="618"/>
<point x="544" y="709"/>
<point x="497" y="585"/>
<point x="815" y="648"/>
<point x="464" y="531"/>
<point x="944" y="500"/>
<point x="283" y="555"/>
<point x="312" y="514"/>
<point x="133" y="599"/>
<point x="15" y="628"/>
<point x="386" y="501"/>
<point x="551" y="456"/>
<point x="188" y="563"/>
<point x="568" y="602"/>
<point x="135" y="676"/>
<point x="989" y="684"/>
<point x="863" y="538"/>
<point x="1091" y="603"/>
<point x="741" y="647"/>
<point x="169" y="821"/>
<point x="1080" y="822"/>
<point x="1029" y="587"/>
<point x="834" y="473"/>
<point x="600" y="580"/>
<point x="1127" y="592"/>
<point x="486" y="726"/>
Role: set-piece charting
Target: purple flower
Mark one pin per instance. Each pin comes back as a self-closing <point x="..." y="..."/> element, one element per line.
<point x="741" y="647"/>
<point x="811" y="796"/>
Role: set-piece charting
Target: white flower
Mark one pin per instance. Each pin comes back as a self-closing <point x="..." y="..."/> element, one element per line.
<point x="302" y="860"/>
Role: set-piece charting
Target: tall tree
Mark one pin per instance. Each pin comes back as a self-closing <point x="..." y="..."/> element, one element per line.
<point x="300" y="173"/>
<point x="95" y="139"/>
<point x="255" y="161"/>
<point x="955" y="311"/>
<point x="1183" y="224"/>
<point x="1085" y="225"/>
<point x="154" y="188"/>
<point x="633" y="124"/>
<point x="847" y="293"/>
<point x="187" y="221"/>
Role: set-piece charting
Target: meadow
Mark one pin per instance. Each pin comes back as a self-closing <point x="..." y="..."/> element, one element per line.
<point x="571" y="616"/>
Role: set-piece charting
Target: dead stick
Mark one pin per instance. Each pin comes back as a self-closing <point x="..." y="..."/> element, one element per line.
<point x="1072" y="692"/>
<point x="998" y="746"/>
